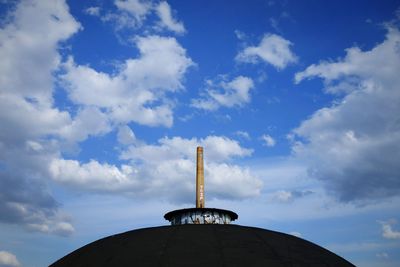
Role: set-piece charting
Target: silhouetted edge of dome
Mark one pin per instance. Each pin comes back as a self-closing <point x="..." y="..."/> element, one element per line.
<point x="218" y="245"/>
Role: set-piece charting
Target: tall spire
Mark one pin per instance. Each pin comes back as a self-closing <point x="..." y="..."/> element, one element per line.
<point x="200" y="201"/>
<point x="200" y="214"/>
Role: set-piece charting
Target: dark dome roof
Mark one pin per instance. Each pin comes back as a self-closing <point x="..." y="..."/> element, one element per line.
<point x="202" y="245"/>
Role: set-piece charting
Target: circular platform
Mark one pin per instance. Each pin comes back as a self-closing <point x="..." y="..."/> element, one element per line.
<point x="200" y="216"/>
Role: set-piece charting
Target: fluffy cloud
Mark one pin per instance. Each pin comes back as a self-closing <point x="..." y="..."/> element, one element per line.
<point x="24" y="199"/>
<point x="138" y="92"/>
<point x="387" y="230"/>
<point x="230" y="181"/>
<point x="354" y="145"/>
<point x="131" y="14"/>
<point x="93" y="11"/>
<point x="8" y="259"/>
<point x="137" y="8"/>
<point x="35" y="132"/>
<point x="165" y="170"/>
<point x="92" y="175"/>
<point x="30" y="123"/>
<point x="166" y="19"/>
<point x="273" y="49"/>
<point x="225" y="93"/>
<point x="268" y="140"/>
<point x="218" y="149"/>
<point x="28" y="48"/>
<point x="88" y="121"/>
<point x="29" y="55"/>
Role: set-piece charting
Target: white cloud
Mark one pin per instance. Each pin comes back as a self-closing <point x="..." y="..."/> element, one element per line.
<point x="26" y="201"/>
<point x="222" y="148"/>
<point x="63" y="229"/>
<point x="92" y="175"/>
<point x="88" y="121"/>
<point x="155" y="170"/>
<point x="132" y="14"/>
<point x="218" y="149"/>
<point x="125" y="135"/>
<point x="58" y="227"/>
<point x="136" y="12"/>
<point x="138" y="92"/>
<point x="387" y="230"/>
<point x="35" y="132"/>
<point x="29" y="56"/>
<point x="360" y="64"/>
<point x="29" y="48"/>
<point x="93" y="11"/>
<point x="22" y="119"/>
<point x="354" y="145"/>
<point x="229" y="181"/>
<point x="138" y="8"/>
<point x="225" y="94"/>
<point x="273" y="49"/>
<point x="31" y="124"/>
<point x="166" y="19"/>
<point x="268" y="140"/>
<point x="8" y="259"/>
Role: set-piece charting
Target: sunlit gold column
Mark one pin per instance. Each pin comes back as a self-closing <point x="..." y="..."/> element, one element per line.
<point x="200" y="179"/>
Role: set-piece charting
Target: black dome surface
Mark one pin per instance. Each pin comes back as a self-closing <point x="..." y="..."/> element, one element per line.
<point x="202" y="245"/>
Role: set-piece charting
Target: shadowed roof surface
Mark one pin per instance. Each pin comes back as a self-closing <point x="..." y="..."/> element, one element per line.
<point x="202" y="245"/>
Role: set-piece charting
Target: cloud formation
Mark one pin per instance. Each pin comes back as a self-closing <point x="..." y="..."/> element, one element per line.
<point x="93" y="11"/>
<point x="8" y="259"/>
<point x="354" y="145"/>
<point x="387" y="230"/>
<point x="268" y="140"/>
<point x="223" y="93"/>
<point x="129" y="14"/>
<point x="273" y="49"/>
<point x="30" y="123"/>
<point x="134" y="14"/>
<point x="137" y="93"/>
<point x="167" y="21"/>
<point x="137" y="8"/>
<point x="35" y="133"/>
<point x="152" y="170"/>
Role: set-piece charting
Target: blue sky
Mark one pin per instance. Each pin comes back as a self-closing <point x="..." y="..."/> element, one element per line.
<point x="102" y="105"/>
